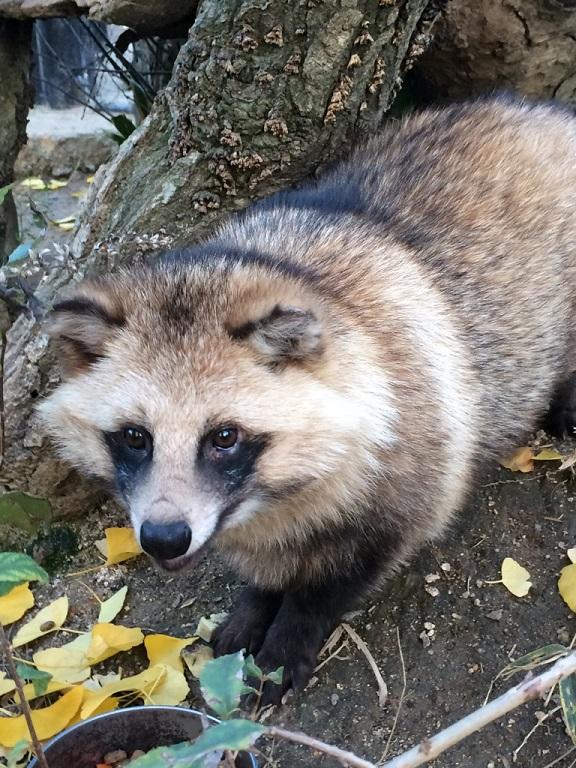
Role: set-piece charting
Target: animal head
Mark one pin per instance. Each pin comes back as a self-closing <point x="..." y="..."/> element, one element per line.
<point x="203" y="392"/>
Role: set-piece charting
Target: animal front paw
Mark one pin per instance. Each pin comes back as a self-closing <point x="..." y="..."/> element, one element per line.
<point x="246" y="627"/>
<point x="298" y="667"/>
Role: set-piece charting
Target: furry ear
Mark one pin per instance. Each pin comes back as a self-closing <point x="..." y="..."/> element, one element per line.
<point x="81" y="326"/>
<point x="283" y="335"/>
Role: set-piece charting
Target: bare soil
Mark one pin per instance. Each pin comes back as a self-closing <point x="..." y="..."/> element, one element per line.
<point x="456" y="631"/>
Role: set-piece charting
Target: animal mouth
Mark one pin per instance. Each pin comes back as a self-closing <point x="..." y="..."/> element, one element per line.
<point x="180" y="563"/>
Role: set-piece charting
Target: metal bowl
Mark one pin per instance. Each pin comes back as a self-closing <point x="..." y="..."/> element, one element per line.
<point x="85" y="744"/>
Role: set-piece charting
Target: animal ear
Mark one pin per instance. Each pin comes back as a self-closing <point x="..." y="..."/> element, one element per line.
<point x="284" y="334"/>
<point x="81" y="326"/>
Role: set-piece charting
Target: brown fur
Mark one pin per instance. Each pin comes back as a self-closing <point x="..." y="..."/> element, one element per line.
<point x="426" y="295"/>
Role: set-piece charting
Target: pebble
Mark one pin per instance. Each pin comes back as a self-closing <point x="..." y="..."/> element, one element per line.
<point x="115" y="757"/>
<point x="495" y="615"/>
<point x="334" y="699"/>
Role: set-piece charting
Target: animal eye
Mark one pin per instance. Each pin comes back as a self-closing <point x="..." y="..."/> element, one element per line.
<point x="136" y="439"/>
<point x="225" y="438"/>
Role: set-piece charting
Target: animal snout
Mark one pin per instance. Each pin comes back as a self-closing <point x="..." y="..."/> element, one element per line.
<point x="165" y="541"/>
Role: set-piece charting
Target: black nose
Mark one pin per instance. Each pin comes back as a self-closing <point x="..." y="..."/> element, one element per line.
<point x="165" y="541"/>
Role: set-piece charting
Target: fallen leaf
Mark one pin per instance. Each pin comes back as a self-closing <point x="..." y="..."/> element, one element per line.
<point x="48" y="721"/>
<point x="163" y="649"/>
<point x="47" y="620"/>
<point x="571" y="554"/>
<point x="515" y="578"/>
<point x="68" y="663"/>
<point x="567" y="586"/>
<point x="55" y="184"/>
<point x="197" y="659"/>
<point x="208" y="624"/>
<point x="569" y="461"/>
<point x="548" y="454"/>
<point x="15" y="604"/>
<point x="521" y="460"/>
<point x="119" y="545"/>
<point x="89" y="179"/>
<point x="109" y="639"/>
<point x="33" y="182"/>
<point x="6" y="685"/>
<point x="110" y="608"/>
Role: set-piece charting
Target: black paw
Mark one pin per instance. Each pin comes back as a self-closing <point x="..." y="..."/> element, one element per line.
<point x="298" y="669"/>
<point x="246" y="627"/>
<point x="561" y="418"/>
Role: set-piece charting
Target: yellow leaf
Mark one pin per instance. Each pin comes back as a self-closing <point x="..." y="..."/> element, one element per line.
<point x="15" y="604"/>
<point x="548" y="454"/>
<point x="67" y="664"/>
<point x="109" y="639"/>
<point x="30" y="694"/>
<point x="197" y="659"/>
<point x="6" y="685"/>
<point x="571" y="554"/>
<point x="55" y="184"/>
<point x="110" y="608"/>
<point x="48" y="721"/>
<point x="159" y="684"/>
<point x="89" y="179"/>
<point x="521" y="460"/>
<point x="98" y="707"/>
<point x="47" y="620"/>
<point x="567" y="586"/>
<point x="120" y="544"/>
<point x="163" y="649"/>
<point x="515" y="578"/>
<point x="33" y="182"/>
<point x="67" y="226"/>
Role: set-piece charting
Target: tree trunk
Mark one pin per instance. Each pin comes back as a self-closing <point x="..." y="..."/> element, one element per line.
<point x="525" y="45"/>
<point x="263" y="93"/>
<point x="15" y="97"/>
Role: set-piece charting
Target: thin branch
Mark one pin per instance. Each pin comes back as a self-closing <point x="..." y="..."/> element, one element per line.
<point x="401" y="700"/>
<point x="361" y="645"/>
<point x="531" y="688"/>
<point x="344" y="757"/>
<point x="7" y="650"/>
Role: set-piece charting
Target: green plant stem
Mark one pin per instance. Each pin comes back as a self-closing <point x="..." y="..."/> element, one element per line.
<point x="7" y="650"/>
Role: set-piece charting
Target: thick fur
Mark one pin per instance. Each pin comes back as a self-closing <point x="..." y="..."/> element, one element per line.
<point x="375" y="335"/>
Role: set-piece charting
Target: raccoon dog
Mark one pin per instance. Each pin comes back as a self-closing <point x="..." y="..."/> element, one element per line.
<point x="313" y="388"/>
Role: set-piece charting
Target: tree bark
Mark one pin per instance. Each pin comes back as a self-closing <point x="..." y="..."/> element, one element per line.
<point x="15" y="98"/>
<point x="263" y="93"/>
<point x="525" y="45"/>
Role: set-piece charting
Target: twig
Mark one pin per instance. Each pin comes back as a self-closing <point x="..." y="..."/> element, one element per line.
<point x="559" y="759"/>
<point x="401" y="700"/>
<point x="533" y="730"/>
<point x="361" y="645"/>
<point x="533" y="687"/>
<point x="344" y="757"/>
<point x="40" y="756"/>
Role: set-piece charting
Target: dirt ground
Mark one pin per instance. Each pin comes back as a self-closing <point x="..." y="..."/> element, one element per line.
<point x="456" y="631"/>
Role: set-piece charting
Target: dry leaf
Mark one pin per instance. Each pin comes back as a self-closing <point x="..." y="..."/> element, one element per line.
<point x="67" y="664"/>
<point x="110" y="608"/>
<point x="89" y="179"/>
<point x="55" y="184"/>
<point x="47" y="620"/>
<point x="571" y="554"/>
<point x="109" y="639"/>
<point x="15" y="604"/>
<point x="48" y="721"/>
<point x="569" y="461"/>
<point x="548" y="454"/>
<point x="6" y="685"/>
<point x="163" y="649"/>
<point x="33" y="182"/>
<point x="521" y="460"/>
<point x="515" y="578"/>
<point x="119" y="545"/>
<point x="567" y="586"/>
<point x="197" y="659"/>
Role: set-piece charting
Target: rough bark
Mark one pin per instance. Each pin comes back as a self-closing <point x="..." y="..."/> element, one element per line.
<point x="263" y="93"/>
<point x="525" y="45"/>
<point x="15" y="97"/>
<point x="147" y="16"/>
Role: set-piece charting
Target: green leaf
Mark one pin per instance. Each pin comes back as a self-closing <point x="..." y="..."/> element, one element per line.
<point x="276" y="676"/>
<point x="251" y="669"/>
<point x="222" y="683"/>
<point x="23" y="511"/>
<point x="536" y="658"/>
<point x="16" y="754"/>
<point x="123" y="125"/>
<point x="15" y="568"/>
<point x="233" y="734"/>
<point x="568" y="700"/>
<point x="19" y="253"/>
<point x="35" y="676"/>
<point x="5" y="190"/>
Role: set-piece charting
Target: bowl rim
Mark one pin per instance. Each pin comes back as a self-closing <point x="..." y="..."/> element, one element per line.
<point x="125" y="712"/>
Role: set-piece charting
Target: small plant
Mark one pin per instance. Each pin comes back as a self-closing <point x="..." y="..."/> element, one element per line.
<point x="15" y="569"/>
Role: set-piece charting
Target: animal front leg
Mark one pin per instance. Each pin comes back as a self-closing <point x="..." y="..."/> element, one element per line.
<point x="303" y="622"/>
<point x="246" y="626"/>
